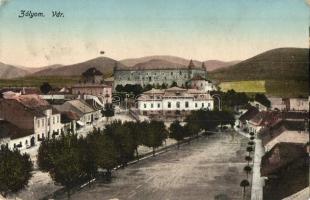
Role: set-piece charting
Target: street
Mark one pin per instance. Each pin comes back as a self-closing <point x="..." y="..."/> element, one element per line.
<point x="208" y="168"/>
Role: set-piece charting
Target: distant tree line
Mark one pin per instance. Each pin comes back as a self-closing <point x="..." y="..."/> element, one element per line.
<point x="232" y="99"/>
<point x="137" y="89"/>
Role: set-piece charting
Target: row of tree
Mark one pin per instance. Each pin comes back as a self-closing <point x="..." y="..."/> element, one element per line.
<point x="248" y="169"/>
<point x="71" y="160"/>
<point x="232" y="99"/>
<point x="137" y="89"/>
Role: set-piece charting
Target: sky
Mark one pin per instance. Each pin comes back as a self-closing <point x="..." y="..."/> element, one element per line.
<point x="193" y="29"/>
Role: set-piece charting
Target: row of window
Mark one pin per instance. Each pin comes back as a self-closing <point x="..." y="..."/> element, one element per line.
<point x="41" y="122"/>
<point x="177" y="104"/>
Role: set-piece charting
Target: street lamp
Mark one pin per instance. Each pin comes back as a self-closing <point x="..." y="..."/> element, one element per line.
<point x="218" y="97"/>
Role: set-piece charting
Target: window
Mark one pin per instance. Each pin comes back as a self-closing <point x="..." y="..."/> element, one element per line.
<point x="196" y="105"/>
<point x="202" y="105"/>
<point x="186" y="104"/>
<point x="169" y="104"/>
<point x="144" y="105"/>
<point x="38" y="123"/>
<point x="42" y="122"/>
<point x="53" y="120"/>
<point x="152" y="105"/>
<point x="158" y="105"/>
<point x="209" y="104"/>
<point x="178" y="104"/>
<point x="171" y="73"/>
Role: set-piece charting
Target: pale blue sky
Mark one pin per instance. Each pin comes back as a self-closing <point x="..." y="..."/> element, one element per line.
<point x="198" y="29"/>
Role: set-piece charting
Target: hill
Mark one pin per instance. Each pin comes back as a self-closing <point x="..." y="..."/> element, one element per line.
<point x="210" y="64"/>
<point x="157" y="64"/>
<point x="285" y="71"/>
<point x="172" y="59"/>
<point x="37" y="69"/>
<point x="276" y="64"/>
<point x="103" y="64"/>
<point x="10" y="71"/>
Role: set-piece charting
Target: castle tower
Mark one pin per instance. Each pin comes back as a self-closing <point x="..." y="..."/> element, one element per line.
<point x="191" y="66"/>
<point x="205" y="69"/>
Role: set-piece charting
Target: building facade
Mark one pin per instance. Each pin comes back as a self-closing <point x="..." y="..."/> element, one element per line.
<point x="30" y="112"/>
<point x="173" y="100"/>
<point x="92" y="83"/>
<point x="201" y="83"/>
<point x="102" y="91"/>
<point x="155" y="74"/>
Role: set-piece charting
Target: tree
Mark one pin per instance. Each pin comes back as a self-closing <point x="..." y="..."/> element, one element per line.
<point x="174" y="84"/>
<point x="193" y="124"/>
<point x="252" y="138"/>
<point x="247" y="169"/>
<point x="15" y="170"/>
<point x="123" y="141"/>
<point x="248" y="159"/>
<point x="156" y="133"/>
<point x="249" y="149"/>
<point x="119" y="88"/>
<point x="104" y="150"/>
<point x="68" y="170"/>
<point x="251" y="134"/>
<point x="147" y="87"/>
<point x="87" y="158"/>
<point x="66" y="160"/>
<point x="108" y="111"/>
<point x="244" y="183"/>
<point x="45" y="88"/>
<point x="163" y="86"/>
<point x="137" y="133"/>
<point x="176" y="131"/>
<point x="261" y="98"/>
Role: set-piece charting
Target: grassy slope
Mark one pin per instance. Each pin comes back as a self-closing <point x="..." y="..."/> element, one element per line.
<point x="285" y="70"/>
<point x="244" y="86"/>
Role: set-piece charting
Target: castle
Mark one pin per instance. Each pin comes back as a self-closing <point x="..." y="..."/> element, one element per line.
<point x="155" y="74"/>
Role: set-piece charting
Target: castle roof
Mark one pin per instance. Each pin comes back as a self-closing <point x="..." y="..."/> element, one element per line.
<point x="158" y="64"/>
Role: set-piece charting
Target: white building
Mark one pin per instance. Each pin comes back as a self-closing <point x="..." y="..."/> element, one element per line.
<point x="31" y="113"/>
<point x="84" y="111"/>
<point x="277" y="103"/>
<point x="298" y="104"/>
<point x="174" y="100"/>
<point x="14" y="137"/>
<point x="200" y="83"/>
